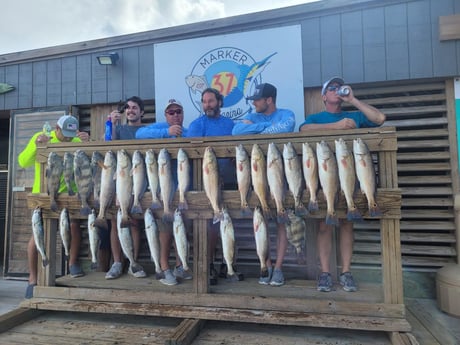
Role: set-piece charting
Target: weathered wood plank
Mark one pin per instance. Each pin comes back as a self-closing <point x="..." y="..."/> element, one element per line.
<point x="17" y="317"/>
<point x="185" y="333"/>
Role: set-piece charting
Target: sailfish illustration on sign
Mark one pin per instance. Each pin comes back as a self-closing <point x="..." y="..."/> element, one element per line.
<point x="4" y="88"/>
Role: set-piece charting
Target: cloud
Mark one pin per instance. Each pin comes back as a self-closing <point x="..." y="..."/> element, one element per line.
<point x="27" y="25"/>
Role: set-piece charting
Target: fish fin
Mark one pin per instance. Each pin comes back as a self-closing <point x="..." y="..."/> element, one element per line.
<point x="331" y="219"/>
<point x="101" y="223"/>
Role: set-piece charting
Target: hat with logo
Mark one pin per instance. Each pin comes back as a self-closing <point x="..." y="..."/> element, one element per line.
<point x="68" y="125"/>
<point x="173" y="102"/>
<point x="330" y="81"/>
<point x="263" y="90"/>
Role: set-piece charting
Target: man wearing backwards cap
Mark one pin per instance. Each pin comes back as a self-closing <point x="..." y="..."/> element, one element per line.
<point x="268" y="119"/>
<point x="172" y="128"/>
<point x="335" y="118"/>
<point x="66" y="131"/>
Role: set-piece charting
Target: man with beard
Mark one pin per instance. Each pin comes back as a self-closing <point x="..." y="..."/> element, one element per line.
<point x="212" y="123"/>
<point x="134" y="109"/>
<point x="268" y="119"/>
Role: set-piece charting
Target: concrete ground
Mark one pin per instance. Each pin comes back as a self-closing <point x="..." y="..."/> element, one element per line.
<point x="11" y="293"/>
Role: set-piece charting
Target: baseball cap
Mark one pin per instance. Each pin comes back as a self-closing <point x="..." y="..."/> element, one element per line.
<point x="173" y="102"/>
<point x="263" y="90"/>
<point x="330" y="81"/>
<point x="68" y="125"/>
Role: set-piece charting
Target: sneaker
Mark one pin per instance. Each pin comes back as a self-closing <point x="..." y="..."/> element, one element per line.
<point x="266" y="276"/>
<point x="137" y="271"/>
<point x="159" y="275"/>
<point x="277" y="278"/>
<point x="347" y="282"/>
<point x="212" y="275"/>
<point x="324" y="282"/>
<point x="169" y="278"/>
<point x="179" y="272"/>
<point x="115" y="271"/>
<point x="76" y="271"/>
<point x="30" y="291"/>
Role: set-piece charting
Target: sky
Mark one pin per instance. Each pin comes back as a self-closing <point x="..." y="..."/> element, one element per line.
<point x="28" y="25"/>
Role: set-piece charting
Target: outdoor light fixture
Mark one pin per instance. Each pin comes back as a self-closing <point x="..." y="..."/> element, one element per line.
<point x="108" y="59"/>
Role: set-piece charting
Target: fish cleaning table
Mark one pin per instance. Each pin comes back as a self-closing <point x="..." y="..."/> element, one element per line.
<point x="382" y="311"/>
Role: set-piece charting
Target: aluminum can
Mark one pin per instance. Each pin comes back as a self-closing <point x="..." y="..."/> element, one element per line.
<point x="343" y="91"/>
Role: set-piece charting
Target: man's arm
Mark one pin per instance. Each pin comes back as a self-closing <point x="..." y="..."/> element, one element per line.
<point x="27" y="157"/>
<point x="373" y="114"/>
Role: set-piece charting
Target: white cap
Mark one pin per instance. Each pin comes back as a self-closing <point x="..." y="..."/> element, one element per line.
<point x="330" y="81"/>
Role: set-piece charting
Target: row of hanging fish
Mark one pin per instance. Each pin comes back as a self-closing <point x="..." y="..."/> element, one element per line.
<point x="278" y="172"/>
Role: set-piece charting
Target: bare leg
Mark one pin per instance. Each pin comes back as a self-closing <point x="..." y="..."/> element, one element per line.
<point x="75" y="242"/>
<point x="165" y="249"/>
<point x="115" y="242"/>
<point x="136" y="236"/>
<point x="324" y="244"/>
<point x="346" y="244"/>
<point x="281" y="245"/>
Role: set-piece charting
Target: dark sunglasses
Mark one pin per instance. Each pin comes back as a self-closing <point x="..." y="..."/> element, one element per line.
<point x="172" y="112"/>
<point x="333" y="88"/>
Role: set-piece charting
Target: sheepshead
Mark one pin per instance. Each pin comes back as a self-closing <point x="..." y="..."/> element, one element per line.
<point x="39" y="234"/>
<point x="295" y="231"/>
<point x="140" y="183"/>
<point x="153" y="239"/>
<point x="227" y="234"/>
<point x="259" y="177"/>
<point x="54" y="169"/>
<point x="124" y="186"/>
<point x="151" y="166"/>
<point x="294" y="178"/>
<point x="93" y="236"/>
<point x="183" y="177"/>
<point x="347" y="177"/>
<point x="261" y="238"/>
<point x="107" y="190"/>
<point x="310" y="174"/>
<point x="167" y="186"/>
<point x="329" y="178"/>
<point x="180" y="238"/>
<point x="211" y="182"/>
<point x="366" y="175"/>
<point x="276" y="181"/>
<point x="126" y="242"/>
<point x="64" y="231"/>
<point x="83" y="179"/>
<point x="243" y="177"/>
<point x="97" y="163"/>
<point x="68" y="172"/>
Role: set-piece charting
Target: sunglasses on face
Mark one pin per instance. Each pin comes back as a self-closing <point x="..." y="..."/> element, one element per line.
<point x="333" y="88"/>
<point x="172" y="112"/>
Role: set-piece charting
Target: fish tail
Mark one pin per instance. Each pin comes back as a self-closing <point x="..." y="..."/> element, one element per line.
<point x="300" y="210"/>
<point x="45" y="261"/>
<point x="313" y="206"/>
<point x="331" y="219"/>
<point x="354" y="214"/>
<point x="218" y="216"/>
<point x="374" y="210"/>
<point x="301" y="257"/>
<point x="267" y="213"/>
<point x="94" y="265"/>
<point x="168" y="217"/>
<point x="85" y="210"/>
<point x="155" y="205"/>
<point x="136" y="209"/>
<point x="125" y="222"/>
<point x="183" y="205"/>
<point x="54" y="206"/>
<point x="245" y="210"/>
<point x="101" y="223"/>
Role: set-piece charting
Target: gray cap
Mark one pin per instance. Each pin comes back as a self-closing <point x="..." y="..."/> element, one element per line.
<point x="330" y="81"/>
